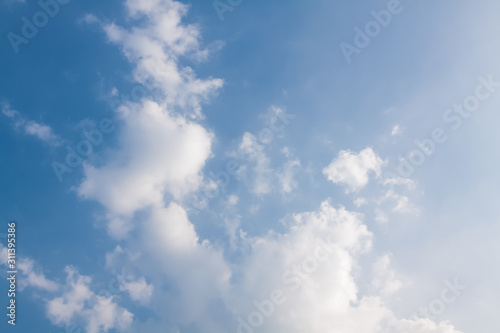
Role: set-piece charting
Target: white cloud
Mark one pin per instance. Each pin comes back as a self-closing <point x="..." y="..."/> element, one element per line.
<point x="385" y="281"/>
<point x="160" y="160"/>
<point x="352" y="170"/>
<point x="159" y="153"/>
<point x="33" y="278"/>
<point x="108" y="315"/>
<point x="155" y="47"/>
<point x="396" y="130"/>
<point x="232" y="200"/>
<point x="42" y="132"/>
<point x="29" y="274"/>
<point x="89" y="19"/>
<point x="197" y="273"/>
<point x="78" y="304"/>
<point x="233" y="230"/>
<point x="139" y="290"/>
<point x="402" y="203"/>
<point x="8" y="111"/>
<point x="286" y="176"/>
<point x="256" y="166"/>
<point x="359" y="202"/>
<point x="253" y="152"/>
<point x="62" y="309"/>
<point x="318" y="283"/>
<point x="118" y="227"/>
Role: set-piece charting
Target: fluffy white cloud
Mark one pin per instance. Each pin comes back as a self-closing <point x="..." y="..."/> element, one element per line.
<point x="313" y="268"/>
<point x="155" y="47"/>
<point x="313" y="265"/>
<point x="78" y="305"/>
<point x="314" y="261"/>
<point x="352" y="170"/>
<point x="184" y="270"/>
<point x="159" y="153"/>
<point x="139" y="290"/>
<point x="62" y="309"/>
<point x="118" y="227"/>
<point x="29" y="274"/>
<point x="108" y="315"/>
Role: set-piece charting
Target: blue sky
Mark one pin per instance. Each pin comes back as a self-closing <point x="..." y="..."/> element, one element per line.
<point x="139" y="236"/>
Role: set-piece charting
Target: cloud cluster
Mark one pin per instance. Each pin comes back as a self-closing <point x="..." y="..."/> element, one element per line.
<point x="256" y="168"/>
<point x="187" y="282"/>
<point x="79" y="305"/>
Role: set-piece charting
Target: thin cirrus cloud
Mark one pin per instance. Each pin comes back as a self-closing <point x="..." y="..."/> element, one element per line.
<point x="30" y="127"/>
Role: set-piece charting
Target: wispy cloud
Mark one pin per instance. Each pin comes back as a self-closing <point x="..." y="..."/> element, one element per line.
<point x="30" y="127"/>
